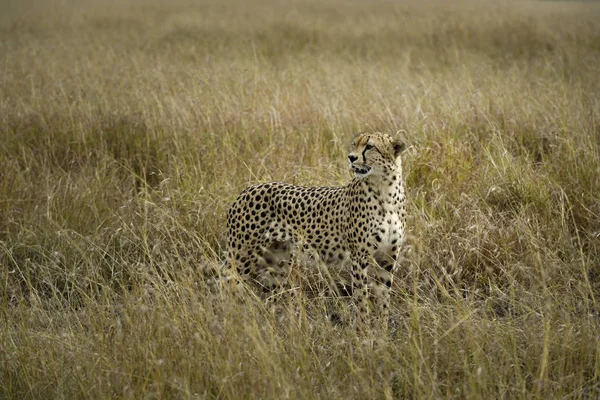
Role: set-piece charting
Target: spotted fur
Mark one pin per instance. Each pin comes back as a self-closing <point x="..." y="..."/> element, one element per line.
<point x="361" y="224"/>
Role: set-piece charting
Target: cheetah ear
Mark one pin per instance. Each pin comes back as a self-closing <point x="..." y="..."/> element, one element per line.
<point x="399" y="147"/>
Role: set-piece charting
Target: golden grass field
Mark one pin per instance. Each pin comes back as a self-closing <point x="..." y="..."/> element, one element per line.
<point x="128" y="128"/>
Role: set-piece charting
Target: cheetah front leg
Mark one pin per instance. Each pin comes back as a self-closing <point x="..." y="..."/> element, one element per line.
<point x="359" y="288"/>
<point x="386" y="266"/>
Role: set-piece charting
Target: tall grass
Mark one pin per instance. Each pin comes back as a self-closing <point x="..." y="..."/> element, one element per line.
<point x="127" y="129"/>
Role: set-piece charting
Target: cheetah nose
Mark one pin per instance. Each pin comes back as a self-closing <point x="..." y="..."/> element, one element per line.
<point x="352" y="158"/>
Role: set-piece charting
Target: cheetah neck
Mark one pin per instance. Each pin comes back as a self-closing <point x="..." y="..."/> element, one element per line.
<point x="388" y="189"/>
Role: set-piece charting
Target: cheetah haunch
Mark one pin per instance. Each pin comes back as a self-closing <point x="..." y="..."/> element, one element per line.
<point x="361" y="224"/>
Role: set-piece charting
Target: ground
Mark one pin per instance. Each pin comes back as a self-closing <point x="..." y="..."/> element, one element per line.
<point x="128" y="128"/>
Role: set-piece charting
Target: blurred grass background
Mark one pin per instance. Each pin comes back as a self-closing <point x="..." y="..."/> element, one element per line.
<point x="127" y="128"/>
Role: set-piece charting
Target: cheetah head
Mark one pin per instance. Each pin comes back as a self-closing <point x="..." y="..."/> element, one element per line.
<point x="375" y="153"/>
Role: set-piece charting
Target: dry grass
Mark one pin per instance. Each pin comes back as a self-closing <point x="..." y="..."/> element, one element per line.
<point x="127" y="128"/>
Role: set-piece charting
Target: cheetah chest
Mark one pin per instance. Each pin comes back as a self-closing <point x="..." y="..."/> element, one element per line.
<point x="387" y="229"/>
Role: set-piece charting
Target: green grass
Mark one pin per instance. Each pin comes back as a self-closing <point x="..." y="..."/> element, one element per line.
<point x="128" y="128"/>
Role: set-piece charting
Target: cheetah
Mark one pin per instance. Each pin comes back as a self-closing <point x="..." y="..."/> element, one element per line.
<point x="360" y="225"/>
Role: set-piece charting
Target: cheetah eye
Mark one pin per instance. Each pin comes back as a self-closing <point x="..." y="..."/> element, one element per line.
<point x="368" y="147"/>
